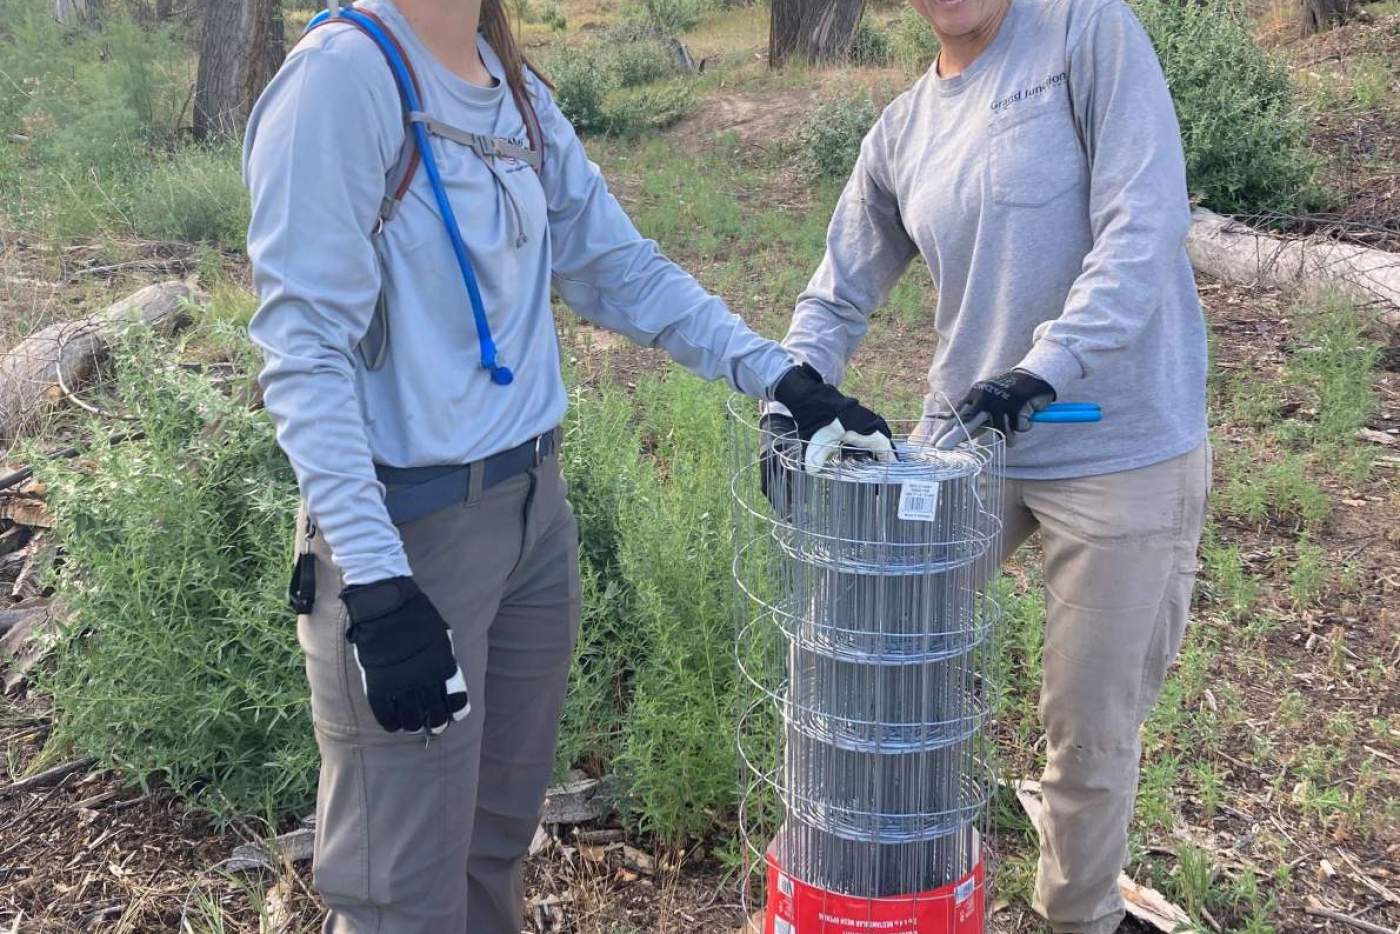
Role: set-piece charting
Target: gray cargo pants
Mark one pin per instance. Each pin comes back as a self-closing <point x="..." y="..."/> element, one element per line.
<point x="429" y="838"/>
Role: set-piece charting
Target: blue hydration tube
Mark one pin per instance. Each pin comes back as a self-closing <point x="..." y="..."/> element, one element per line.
<point x="500" y="373"/>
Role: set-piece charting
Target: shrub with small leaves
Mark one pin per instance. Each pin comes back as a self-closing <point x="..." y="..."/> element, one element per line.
<point x="642" y="61"/>
<point x="913" y="45"/>
<point x="179" y="657"/>
<point x="1245" y="137"/>
<point x="581" y="86"/>
<point x="829" y="140"/>
<point x="666" y="18"/>
<point x="870" y="46"/>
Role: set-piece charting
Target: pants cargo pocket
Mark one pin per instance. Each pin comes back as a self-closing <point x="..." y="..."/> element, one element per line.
<point x="340" y="868"/>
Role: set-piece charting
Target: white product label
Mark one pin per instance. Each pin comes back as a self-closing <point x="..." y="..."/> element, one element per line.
<point x="918" y="500"/>
<point x="964" y="891"/>
<point x="784" y="884"/>
<point x="783" y="927"/>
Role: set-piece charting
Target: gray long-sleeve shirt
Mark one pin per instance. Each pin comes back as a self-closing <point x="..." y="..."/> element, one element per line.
<point x="1045" y="188"/>
<point x="318" y="146"/>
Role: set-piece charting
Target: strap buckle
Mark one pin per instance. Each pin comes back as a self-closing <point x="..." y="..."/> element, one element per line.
<point x="537" y="457"/>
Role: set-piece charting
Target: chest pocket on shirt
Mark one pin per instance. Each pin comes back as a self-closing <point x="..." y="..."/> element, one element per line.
<point x="1035" y="158"/>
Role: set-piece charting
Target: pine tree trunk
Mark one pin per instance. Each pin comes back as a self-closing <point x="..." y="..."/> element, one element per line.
<point x="241" y="49"/>
<point x="813" y="30"/>
<point x="265" y="49"/>
<point x="1316" y="16"/>
<point x="71" y="12"/>
<point x="218" y="95"/>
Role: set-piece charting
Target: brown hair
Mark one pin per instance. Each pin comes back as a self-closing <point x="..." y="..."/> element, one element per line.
<point x="495" y="22"/>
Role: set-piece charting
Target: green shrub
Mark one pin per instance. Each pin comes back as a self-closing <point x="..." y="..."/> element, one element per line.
<point x="665" y="18"/>
<point x="641" y="61"/>
<point x="635" y="110"/>
<point x="653" y="692"/>
<point x="913" y="45"/>
<point x="179" y="657"/>
<point x="1335" y="367"/>
<point x="829" y="140"/>
<point x="590" y="92"/>
<point x="195" y="195"/>
<point x="1246" y="139"/>
<point x="678" y="762"/>
<point x="1280" y="492"/>
<point x="581" y="86"/>
<point x="869" y="46"/>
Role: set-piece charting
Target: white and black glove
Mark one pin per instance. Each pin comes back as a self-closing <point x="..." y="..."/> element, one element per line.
<point x="1005" y="403"/>
<point x="827" y="421"/>
<point x="404" y="651"/>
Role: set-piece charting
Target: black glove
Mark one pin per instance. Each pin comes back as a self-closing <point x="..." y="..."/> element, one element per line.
<point x="1005" y="403"/>
<point x="404" y="650"/>
<point x="827" y="420"/>
<point x="779" y="448"/>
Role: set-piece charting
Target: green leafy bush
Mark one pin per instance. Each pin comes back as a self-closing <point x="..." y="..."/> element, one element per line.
<point x="869" y="46"/>
<point x="829" y="140"/>
<point x="581" y="86"/>
<point x="665" y="18"/>
<point x="653" y="688"/>
<point x="196" y="195"/>
<point x="179" y="657"/>
<point x="913" y="45"/>
<point x="641" y="61"/>
<point x="1245" y="137"/>
<point x="592" y="94"/>
<point x="81" y="112"/>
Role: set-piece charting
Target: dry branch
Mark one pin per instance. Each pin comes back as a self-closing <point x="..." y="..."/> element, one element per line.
<point x="45" y="778"/>
<point x="68" y="352"/>
<point x="1357" y="923"/>
<point x="1234" y="252"/>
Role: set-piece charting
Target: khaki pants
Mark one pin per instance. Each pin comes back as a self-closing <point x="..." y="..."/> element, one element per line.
<point x="1120" y="562"/>
<point x="416" y="837"/>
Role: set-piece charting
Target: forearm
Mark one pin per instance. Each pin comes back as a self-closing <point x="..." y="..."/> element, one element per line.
<point x="635" y="290"/>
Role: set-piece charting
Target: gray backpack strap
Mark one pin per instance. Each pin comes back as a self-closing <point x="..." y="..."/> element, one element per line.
<point x="488" y="148"/>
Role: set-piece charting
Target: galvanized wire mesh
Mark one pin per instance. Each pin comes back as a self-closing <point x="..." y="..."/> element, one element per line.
<point x="864" y="637"/>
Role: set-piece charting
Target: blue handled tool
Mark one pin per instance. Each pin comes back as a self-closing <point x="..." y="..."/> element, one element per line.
<point x="1069" y="413"/>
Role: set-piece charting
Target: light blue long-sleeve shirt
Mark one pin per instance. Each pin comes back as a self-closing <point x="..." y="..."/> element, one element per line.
<point x="1045" y="187"/>
<point x="319" y="143"/>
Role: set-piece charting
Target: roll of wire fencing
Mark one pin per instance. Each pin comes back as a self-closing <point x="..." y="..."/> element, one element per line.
<point x="864" y="626"/>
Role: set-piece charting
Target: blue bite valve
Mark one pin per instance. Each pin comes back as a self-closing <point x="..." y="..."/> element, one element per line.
<point x="501" y="375"/>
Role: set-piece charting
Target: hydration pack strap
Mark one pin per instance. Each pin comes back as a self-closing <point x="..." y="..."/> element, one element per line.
<point x="410" y="97"/>
<point x="487" y="147"/>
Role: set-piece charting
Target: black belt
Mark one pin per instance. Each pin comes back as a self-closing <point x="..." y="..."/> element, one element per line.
<point x="414" y="492"/>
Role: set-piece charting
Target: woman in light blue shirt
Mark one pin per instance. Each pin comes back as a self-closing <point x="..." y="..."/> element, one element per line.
<point x="437" y="581"/>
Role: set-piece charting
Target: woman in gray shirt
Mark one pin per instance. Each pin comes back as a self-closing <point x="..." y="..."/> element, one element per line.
<point x="1037" y="169"/>
<point x="437" y="581"/>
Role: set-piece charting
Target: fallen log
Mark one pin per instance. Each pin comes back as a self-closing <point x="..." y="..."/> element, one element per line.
<point x="1237" y="253"/>
<point x="26" y="642"/>
<point x="67" y="353"/>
